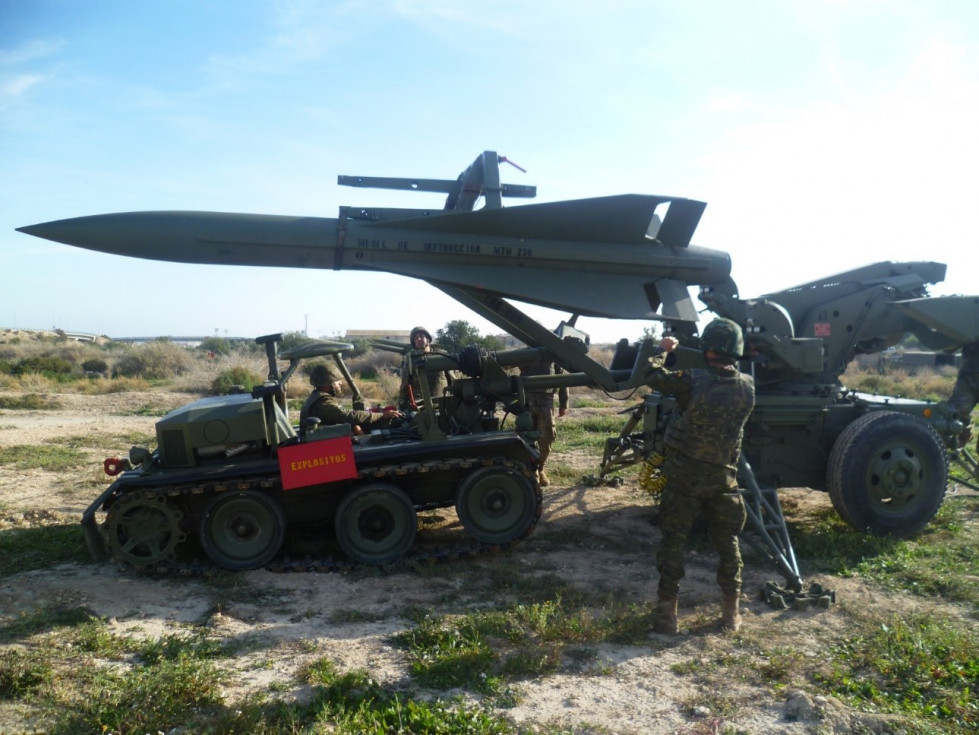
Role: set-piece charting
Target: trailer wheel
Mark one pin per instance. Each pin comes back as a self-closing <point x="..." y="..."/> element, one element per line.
<point x="496" y="505"/>
<point x="242" y="530"/>
<point x="887" y="473"/>
<point x="376" y="523"/>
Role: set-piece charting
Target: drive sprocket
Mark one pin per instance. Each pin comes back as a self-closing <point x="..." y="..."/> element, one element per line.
<point x="143" y="530"/>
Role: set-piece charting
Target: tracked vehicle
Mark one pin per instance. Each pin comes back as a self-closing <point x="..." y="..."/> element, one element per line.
<point x="232" y="477"/>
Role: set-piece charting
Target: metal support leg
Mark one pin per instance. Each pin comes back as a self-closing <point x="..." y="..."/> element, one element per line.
<point x="766" y="520"/>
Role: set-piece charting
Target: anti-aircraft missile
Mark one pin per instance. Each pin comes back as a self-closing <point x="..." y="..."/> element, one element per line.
<point x="593" y="257"/>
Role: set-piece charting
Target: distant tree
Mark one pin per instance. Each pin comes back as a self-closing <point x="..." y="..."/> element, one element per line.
<point x="459" y="333"/>
<point x="650" y="332"/>
<point x="292" y="339"/>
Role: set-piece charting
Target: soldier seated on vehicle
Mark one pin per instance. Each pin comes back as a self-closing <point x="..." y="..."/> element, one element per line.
<point x="322" y="404"/>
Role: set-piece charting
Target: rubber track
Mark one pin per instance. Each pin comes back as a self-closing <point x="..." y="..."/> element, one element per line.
<point x="464" y="550"/>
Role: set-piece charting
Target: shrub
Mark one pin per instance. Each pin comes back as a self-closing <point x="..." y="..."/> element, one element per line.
<point x="217" y="345"/>
<point x="51" y="366"/>
<point x="95" y="365"/>
<point x="237" y="375"/>
<point x="158" y="360"/>
<point x="373" y="364"/>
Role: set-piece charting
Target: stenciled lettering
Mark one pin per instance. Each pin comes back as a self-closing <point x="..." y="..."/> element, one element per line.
<point x="452" y="248"/>
<point x="315" y="462"/>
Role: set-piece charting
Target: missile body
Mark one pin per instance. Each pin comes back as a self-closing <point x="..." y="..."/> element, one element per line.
<point x="592" y="257"/>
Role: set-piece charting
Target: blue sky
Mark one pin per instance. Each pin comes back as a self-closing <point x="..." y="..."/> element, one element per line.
<point x="823" y="134"/>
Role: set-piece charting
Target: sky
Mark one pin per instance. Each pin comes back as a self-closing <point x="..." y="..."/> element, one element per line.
<point x="824" y="135"/>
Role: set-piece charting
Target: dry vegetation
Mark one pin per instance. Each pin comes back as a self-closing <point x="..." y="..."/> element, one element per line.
<point x="549" y="638"/>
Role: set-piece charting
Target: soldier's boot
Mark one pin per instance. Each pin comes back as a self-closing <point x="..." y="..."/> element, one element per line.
<point x="731" y="613"/>
<point x="542" y="479"/>
<point x="665" y="619"/>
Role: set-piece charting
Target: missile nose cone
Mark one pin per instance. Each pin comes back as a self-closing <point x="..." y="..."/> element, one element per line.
<point x="58" y="231"/>
<point x="36" y="230"/>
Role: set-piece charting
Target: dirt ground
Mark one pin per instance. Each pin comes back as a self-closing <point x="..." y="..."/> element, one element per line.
<point x="601" y="539"/>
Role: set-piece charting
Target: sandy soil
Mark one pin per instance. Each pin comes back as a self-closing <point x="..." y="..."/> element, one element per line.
<point x="600" y="539"/>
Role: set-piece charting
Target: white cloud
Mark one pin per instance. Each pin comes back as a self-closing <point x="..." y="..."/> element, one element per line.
<point x="30" y="51"/>
<point x="18" y="85"/>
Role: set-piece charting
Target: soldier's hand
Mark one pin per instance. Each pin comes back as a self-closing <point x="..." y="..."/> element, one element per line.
<point x="668" y="344"/>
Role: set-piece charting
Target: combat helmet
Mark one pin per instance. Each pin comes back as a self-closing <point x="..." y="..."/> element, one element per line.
<point x="419" y="330"/>
<point x="723" y="337"/>
<point x="324" y="375"/>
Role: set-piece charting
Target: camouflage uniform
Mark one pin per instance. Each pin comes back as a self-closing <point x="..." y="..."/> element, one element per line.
<point x="322" y="404"/>
<point x="965" y="393"/>
<point x="327" y="409"/>
<point x="702" y="448"/>
<point x="410" y="395"/>
<point x="541" y="406"/>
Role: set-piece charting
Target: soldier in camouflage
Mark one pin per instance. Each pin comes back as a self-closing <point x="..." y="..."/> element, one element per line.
<point x="410" y="396"/>
<point x="702" y="446"/>
<point x="540" y="403"/>
<point x="965" y="393"/>
<point x="322" y="404"/>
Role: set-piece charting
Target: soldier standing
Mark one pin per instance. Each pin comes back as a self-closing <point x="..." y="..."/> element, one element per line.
<point x="410" y="395"/>
<point x="965" y="393"/>
<point x="703" y="444"/>
<point x="322" y="404"/>
<point x="541" y="406"/>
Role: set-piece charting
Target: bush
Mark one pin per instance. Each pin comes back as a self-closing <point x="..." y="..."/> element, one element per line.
<point x="238" y="375"/>
<point x="50" y="366"/>
<point x="373" y="364"/>
<point x="159" y="360"/>
<point x="95" y="365"/>
<point x="217" y="345"/>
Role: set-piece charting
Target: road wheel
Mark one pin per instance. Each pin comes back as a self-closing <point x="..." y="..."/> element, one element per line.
<point x="242" y="530"/>
<point x="376" y="523"/>
<point x="497" y="505"/>
<point x="887" y="473"/>
<point x="143" y="531"/>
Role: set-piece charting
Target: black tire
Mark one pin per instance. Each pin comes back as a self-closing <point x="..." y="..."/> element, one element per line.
<point x="242" y="530"/>
<point x="887" y="474"/>
<point x="497" y="505"/>
<point x="376" y="523"/>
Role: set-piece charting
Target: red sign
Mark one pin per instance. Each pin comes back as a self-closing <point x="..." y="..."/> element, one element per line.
<point x="314" y="463"/>
<point x="822" y="329"/>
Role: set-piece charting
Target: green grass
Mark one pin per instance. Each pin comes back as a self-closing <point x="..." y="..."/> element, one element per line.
<point x="60" y="672"/>
<point x="487" y="651"/>
<point x="29" y="402"/>
<point x="940" y="562"/>
<point x="587" y="432"/>
<point x="41" y="547"/>
<point x="921" y="666"/>
<point x="42" y="457"/>
<point x="124" y="439"/>
<point x="44" y="620"/>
